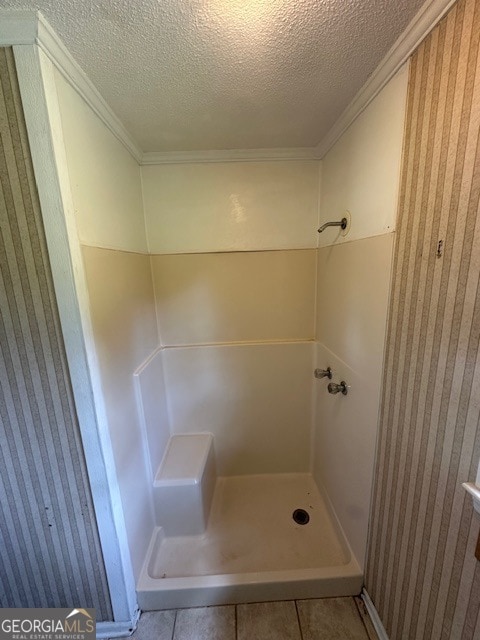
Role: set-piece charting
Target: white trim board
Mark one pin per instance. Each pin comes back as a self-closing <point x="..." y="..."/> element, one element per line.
<point x="417" y="30"/>
<point x="118" y="629"/>
<point x="374" y="617"/>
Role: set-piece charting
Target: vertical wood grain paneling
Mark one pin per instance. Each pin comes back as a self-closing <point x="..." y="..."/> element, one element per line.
<point x="50" y="554"/>
<point x="421" y="572"/>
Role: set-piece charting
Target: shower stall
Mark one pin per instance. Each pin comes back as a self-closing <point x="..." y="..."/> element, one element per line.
<point x="250" y="302"/>
<point x="278" y="438"/>
<point x="208" y="300"/>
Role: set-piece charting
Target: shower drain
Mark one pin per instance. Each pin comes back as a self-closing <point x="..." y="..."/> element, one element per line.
<point x="301" y="516"/>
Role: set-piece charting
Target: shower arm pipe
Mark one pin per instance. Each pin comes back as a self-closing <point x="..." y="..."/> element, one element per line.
<point x="340" y="223"/>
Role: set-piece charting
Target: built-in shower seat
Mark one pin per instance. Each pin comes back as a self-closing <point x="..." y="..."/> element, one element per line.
<point x="184" y="484"/>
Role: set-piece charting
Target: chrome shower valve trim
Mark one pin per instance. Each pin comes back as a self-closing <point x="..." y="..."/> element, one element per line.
<point x="323" y="373"/>
<point x="333" y="387"/>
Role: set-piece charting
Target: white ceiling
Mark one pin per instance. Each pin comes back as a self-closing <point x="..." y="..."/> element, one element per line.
<point x="185" y="75"/>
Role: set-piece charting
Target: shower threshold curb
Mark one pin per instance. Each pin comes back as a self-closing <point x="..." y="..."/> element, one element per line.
<point x="208" y="590"/>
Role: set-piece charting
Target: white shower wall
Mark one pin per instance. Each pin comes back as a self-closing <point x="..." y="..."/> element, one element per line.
<point x="230" y="206"/>
<point x="346" y="427"/>
<point x="234" y="266"/>
<point x="361" y="174"/>
<point x="106" y="190"/>
<point x="254" y="398"/>
<point x="104" y="178"/>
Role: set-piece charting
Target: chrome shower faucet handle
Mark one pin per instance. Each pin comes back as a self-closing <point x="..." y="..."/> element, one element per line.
<point x="323" y="373"/>
<point x="333" y="387"/>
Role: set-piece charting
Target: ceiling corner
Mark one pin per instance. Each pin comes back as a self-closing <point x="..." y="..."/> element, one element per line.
<point x="416" y="31"/>
<point x="31" y="27"/>
<point x="54" y="48"/>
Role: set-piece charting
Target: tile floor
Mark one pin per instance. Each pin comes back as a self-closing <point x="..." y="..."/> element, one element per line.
<point x="321" y="619"/>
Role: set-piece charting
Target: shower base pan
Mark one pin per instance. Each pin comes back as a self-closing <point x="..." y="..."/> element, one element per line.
<point x="252" y="549"/>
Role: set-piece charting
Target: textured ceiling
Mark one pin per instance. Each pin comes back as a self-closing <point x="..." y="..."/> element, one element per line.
<point x="188" y="75"/>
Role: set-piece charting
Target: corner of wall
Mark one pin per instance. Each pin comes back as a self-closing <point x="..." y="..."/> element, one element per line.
<point x="37" y="86"/>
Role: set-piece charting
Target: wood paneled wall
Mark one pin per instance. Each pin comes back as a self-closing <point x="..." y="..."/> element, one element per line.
<point x="421" y="573"/>
<point x="50" y="554"/>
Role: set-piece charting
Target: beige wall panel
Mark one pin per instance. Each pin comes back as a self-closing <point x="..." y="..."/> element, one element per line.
<point x="123" y="315"/>
<point x="231" y="206"/>
<point x="234" y="297"/>
<point x="353" y="291"/>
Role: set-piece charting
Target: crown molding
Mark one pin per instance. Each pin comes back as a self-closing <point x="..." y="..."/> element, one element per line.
<point x="417" y="30"/>
<point x="229" y="155"/>
<point x="27" y="28"/>
<point x="51" y="44"/>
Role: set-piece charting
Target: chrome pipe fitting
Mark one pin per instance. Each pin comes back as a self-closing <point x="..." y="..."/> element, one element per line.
<point x="339" y="223"/>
